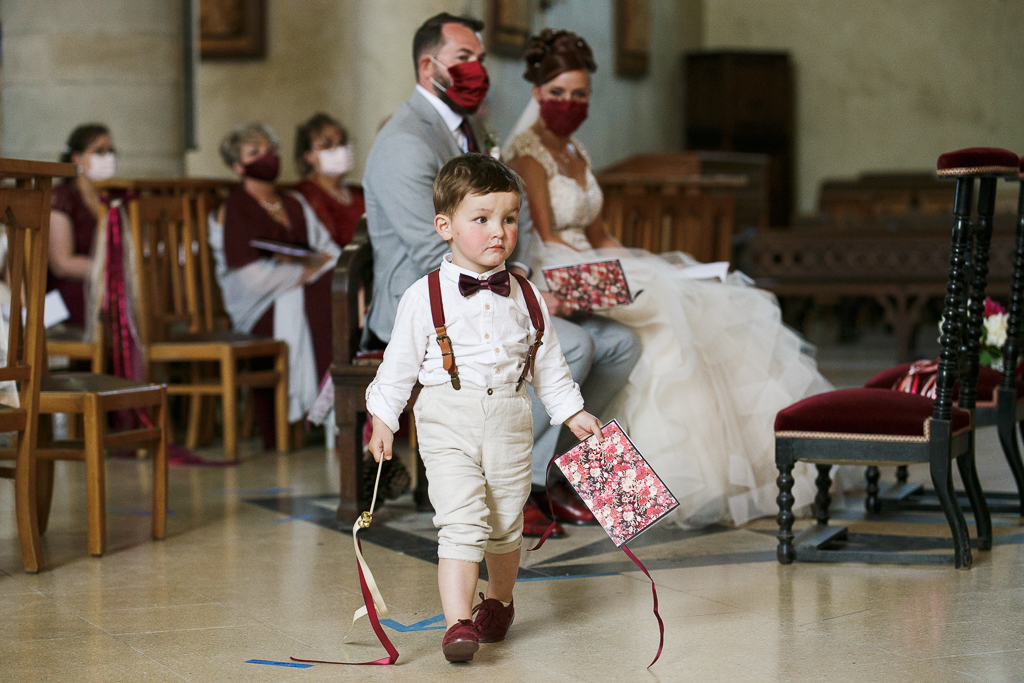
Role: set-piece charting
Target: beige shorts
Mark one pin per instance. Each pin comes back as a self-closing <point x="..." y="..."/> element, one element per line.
<point x="476" y="445"/>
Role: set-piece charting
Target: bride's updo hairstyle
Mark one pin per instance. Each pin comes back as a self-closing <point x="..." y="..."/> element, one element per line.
<point x="552" y="52"/>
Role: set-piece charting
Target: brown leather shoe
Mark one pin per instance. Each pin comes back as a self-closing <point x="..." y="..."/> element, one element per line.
<point x="461" y="642"/>
<point x="536" y="521"/>
<point x="566" y="505"/>
<point x="493" y="619"/>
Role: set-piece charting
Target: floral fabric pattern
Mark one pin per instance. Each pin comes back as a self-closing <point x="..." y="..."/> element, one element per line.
<point x="589" y="286"/>
<point x="617" y="484"/>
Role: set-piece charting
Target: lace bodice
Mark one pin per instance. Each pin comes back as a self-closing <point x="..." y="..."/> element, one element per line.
<point x="573" y="208"/>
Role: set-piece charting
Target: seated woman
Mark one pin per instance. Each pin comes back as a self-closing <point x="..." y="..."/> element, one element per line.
<point x="323" y="156"/>
<point x="269" y="293"/>
<point x="717" y="362"/>
<point x="75" y="208"/>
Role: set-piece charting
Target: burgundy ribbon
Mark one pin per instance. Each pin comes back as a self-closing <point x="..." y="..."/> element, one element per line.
<point x="115" y="300"/>
<point x="371" y="613"/>
<point x="629" y="554"/>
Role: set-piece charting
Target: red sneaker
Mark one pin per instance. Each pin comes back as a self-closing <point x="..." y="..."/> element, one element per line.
<point x="493" y="619"/>
<point x="536" y="521"/>
<point x="461" y="642"/>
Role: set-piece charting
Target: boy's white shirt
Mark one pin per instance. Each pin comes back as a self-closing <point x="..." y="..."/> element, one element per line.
<point x="490" y="335"/>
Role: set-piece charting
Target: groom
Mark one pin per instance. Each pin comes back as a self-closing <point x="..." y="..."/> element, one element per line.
<point x="427" y="130"/>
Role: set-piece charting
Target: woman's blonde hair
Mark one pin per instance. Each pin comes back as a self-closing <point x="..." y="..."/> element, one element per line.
<point x="231" y="145"/>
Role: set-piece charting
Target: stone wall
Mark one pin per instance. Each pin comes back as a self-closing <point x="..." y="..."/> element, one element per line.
<point x="119" y="62"/>
<point x="887" y="84"/>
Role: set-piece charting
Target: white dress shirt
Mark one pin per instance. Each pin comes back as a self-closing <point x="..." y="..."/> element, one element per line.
<point x="451" y="119"/>
<point x="490" y="336"/>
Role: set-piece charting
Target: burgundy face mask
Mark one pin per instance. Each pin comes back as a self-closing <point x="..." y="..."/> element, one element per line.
<point x="469" y="85"/>
<point x="265" y="167"/>
<point x="562" y="117"/>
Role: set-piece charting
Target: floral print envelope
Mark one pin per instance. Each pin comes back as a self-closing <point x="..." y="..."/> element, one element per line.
<point x="589" y="286"/>
<point x="617" y="484"/>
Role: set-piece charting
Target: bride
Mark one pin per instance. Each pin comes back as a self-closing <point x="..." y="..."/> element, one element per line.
<point x="717" y="362"/>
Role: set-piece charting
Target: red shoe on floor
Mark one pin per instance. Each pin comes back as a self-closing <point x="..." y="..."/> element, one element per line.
<point x="536" y="521"/>
<point x="461" y="642"/>
<point x="493" y="619"/>
<point x="566" y="505"/>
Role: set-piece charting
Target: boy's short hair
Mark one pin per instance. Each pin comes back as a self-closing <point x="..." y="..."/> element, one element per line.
<point x="469" y="174"/>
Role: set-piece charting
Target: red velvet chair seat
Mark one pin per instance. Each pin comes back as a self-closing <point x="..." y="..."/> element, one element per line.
<point x="978" y="160"/>
<point x="988" y="382"/>
<point x="880" y="413"/>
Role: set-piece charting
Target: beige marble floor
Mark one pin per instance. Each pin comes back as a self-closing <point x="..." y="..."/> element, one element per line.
<point x="236" y="581"/>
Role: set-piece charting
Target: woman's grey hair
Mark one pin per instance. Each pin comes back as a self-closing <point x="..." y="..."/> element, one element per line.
<point x="231" y="145"/>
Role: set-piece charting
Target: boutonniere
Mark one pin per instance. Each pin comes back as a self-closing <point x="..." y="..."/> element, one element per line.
<point x="491" y="144"/>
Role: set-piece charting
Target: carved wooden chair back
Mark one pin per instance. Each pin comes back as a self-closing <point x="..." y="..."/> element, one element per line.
<point x="25" y="215"/>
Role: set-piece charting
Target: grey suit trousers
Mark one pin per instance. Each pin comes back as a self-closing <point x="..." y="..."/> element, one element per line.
<point x="601" y="353"/>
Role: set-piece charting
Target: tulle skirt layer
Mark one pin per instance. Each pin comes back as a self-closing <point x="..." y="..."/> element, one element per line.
<point x="717" y="365"/>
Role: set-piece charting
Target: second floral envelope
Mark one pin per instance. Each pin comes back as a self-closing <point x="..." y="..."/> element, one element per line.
<point x="590" y="286"/>
<point x="616" y="483"/>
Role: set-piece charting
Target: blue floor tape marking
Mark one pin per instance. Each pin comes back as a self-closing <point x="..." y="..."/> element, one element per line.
<point x="294" y="665"/>
<point x="133" y="511"/>
<point x="571" y="576"/>
<point x="293" y="519"/>
<point x="424" y="625"/>
<point x="249" y="492"/>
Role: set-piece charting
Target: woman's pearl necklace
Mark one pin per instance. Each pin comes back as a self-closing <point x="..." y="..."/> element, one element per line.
<point x="275" y="206"/>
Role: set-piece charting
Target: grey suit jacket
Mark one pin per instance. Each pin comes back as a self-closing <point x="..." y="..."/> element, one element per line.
<point x="398" y="184"/>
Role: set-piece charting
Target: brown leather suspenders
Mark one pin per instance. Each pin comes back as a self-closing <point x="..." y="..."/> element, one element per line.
<point x="445" y="342"/>
<point x="537" y="318"/>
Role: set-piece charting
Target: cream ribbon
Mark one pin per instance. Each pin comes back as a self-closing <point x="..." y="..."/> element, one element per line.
<point x="362" y="523"/>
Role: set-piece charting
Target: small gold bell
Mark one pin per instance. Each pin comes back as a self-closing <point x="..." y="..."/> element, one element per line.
<point x="365" y="519"/>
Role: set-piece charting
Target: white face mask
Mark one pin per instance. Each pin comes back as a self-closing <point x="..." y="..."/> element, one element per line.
<point x="337" y="161"/>
<point x="101" y="167"/>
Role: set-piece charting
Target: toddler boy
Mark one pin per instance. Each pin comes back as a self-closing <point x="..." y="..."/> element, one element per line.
<point x="471" y="333"/>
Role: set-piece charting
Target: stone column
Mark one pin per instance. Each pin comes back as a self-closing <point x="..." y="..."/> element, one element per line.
<point x="117" y="62"/>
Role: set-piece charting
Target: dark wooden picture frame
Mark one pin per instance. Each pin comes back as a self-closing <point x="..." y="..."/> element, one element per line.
<point x="632" y="37"/>
<point x="232" y="29"/>
<point x="509" y="25"/>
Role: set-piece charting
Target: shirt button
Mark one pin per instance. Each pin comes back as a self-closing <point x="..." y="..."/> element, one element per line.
<point x="490" y="392"/>
<point x="487" y="336"/>
<point x="497" y="350"/>
<point x="487" y="306"/>
<point x="496" y="371"/>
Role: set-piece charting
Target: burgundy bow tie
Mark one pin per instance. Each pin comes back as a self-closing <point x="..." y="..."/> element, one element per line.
<point x="497" y="283"/>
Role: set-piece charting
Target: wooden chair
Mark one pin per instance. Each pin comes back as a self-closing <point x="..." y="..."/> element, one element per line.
<point x="172" y="259"/>
<point x="69" y="341"/>
<point x="879" y="426"/>
<point x="1000" y="400"/>
<point x="94" y="397"/>
<point x="353" y="371"/>
<point x="25" y="213"/>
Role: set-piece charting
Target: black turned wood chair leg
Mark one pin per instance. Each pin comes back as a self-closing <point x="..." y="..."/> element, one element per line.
<point x="982" y="518"/>
<point x="902" y="474"/>
<point x="1007" y="427"/>
<point x="823" y="499"/>
<point x="786" y="552"/>
<point x="871" y="503"/>
<point x="942" y="479"/>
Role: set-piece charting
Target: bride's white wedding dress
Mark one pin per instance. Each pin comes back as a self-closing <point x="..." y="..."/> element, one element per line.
<point x="717" y="364"/>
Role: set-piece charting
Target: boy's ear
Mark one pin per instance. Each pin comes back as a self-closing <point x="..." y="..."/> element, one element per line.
<point x="443" y="226"/>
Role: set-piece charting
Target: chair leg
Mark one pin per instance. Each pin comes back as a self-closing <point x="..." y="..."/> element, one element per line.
<point x="44" y="493"/>
<point x="982" y="518"/>
<point x="95" y="476"/>
<point x="942" y="480"/>
<point x="229" y="402"/>
<point x="786" y="552"/>
<point x="350" y="453"/>
<point x="871" y="502"/>
<point x="248" y="414"/>
<point x="902" y="474"/>
<point x="281" y="401"/>
<point x="159" y="515"/>
<point x="26" y="504"/>
<point x="823" y="499"/>
<point x="1011" y="449"/>
<point x="195" y="410"/>
<point x="44" y="473"/>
